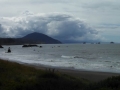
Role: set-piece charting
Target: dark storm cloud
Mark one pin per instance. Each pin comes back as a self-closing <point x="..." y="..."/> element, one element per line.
<point x="2" y="31"/>
<point x="59" y="26"/>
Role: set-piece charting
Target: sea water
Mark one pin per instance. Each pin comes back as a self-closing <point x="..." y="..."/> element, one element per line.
<point x="91" y="57"/>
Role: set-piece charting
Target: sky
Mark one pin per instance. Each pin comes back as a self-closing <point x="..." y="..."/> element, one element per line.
<point x="65" y="20"/>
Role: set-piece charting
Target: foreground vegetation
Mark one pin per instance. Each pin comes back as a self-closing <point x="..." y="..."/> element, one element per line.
<point x="14" y="76"/>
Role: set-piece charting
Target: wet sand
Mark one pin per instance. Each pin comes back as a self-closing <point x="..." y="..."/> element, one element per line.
<point x="92" y="76"/>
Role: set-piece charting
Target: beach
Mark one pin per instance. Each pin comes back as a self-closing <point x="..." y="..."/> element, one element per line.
<point x="93" y="76"/>
<point x="91" y="62"/>
<point x="101" y="58"/>
<point x="24" y="76"/>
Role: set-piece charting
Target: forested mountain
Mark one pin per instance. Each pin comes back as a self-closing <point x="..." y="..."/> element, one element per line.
<point x="33" y="38"/>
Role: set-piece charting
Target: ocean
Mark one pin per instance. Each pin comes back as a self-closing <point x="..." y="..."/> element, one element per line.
<point x="89" y="57"/>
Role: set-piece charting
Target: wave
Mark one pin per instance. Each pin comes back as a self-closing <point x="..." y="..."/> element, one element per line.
<point x="69" y="57"/>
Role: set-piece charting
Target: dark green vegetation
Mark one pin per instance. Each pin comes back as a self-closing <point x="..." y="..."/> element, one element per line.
<point x="14" y="76"/>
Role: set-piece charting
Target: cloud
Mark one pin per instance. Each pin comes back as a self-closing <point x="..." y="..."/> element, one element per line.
<point x="63" y="27"/>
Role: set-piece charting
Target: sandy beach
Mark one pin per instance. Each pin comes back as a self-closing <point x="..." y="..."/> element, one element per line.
<point x="92" y="76"/>
<point x="89" y="75"/>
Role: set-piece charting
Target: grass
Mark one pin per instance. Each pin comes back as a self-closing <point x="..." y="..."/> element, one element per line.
<point x="14" y="76"/>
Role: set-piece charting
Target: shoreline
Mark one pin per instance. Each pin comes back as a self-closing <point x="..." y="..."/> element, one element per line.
<point x="93" y="76"/>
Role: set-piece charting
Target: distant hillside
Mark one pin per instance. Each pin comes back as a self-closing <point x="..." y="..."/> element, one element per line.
<point x="33" y="38"/>
<point x="40" y="38"/>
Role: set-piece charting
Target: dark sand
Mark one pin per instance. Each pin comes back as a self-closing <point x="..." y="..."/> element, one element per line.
<point x="93" y="76"/>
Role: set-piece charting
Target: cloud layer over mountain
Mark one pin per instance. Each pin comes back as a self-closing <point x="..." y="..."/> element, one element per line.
<point x="63" y="27"/>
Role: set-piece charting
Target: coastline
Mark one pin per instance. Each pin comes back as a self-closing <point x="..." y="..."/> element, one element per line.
<point x="15" y="75"/>
<point x="93" y="76"/>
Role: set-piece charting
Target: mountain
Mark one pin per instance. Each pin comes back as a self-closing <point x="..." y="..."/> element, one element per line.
<point x="40" y="38"/>
<point x="33" y="38"/>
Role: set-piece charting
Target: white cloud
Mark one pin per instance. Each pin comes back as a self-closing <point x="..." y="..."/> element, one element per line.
<point x="59" y="26"/>
<point x="93" y="12"/>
